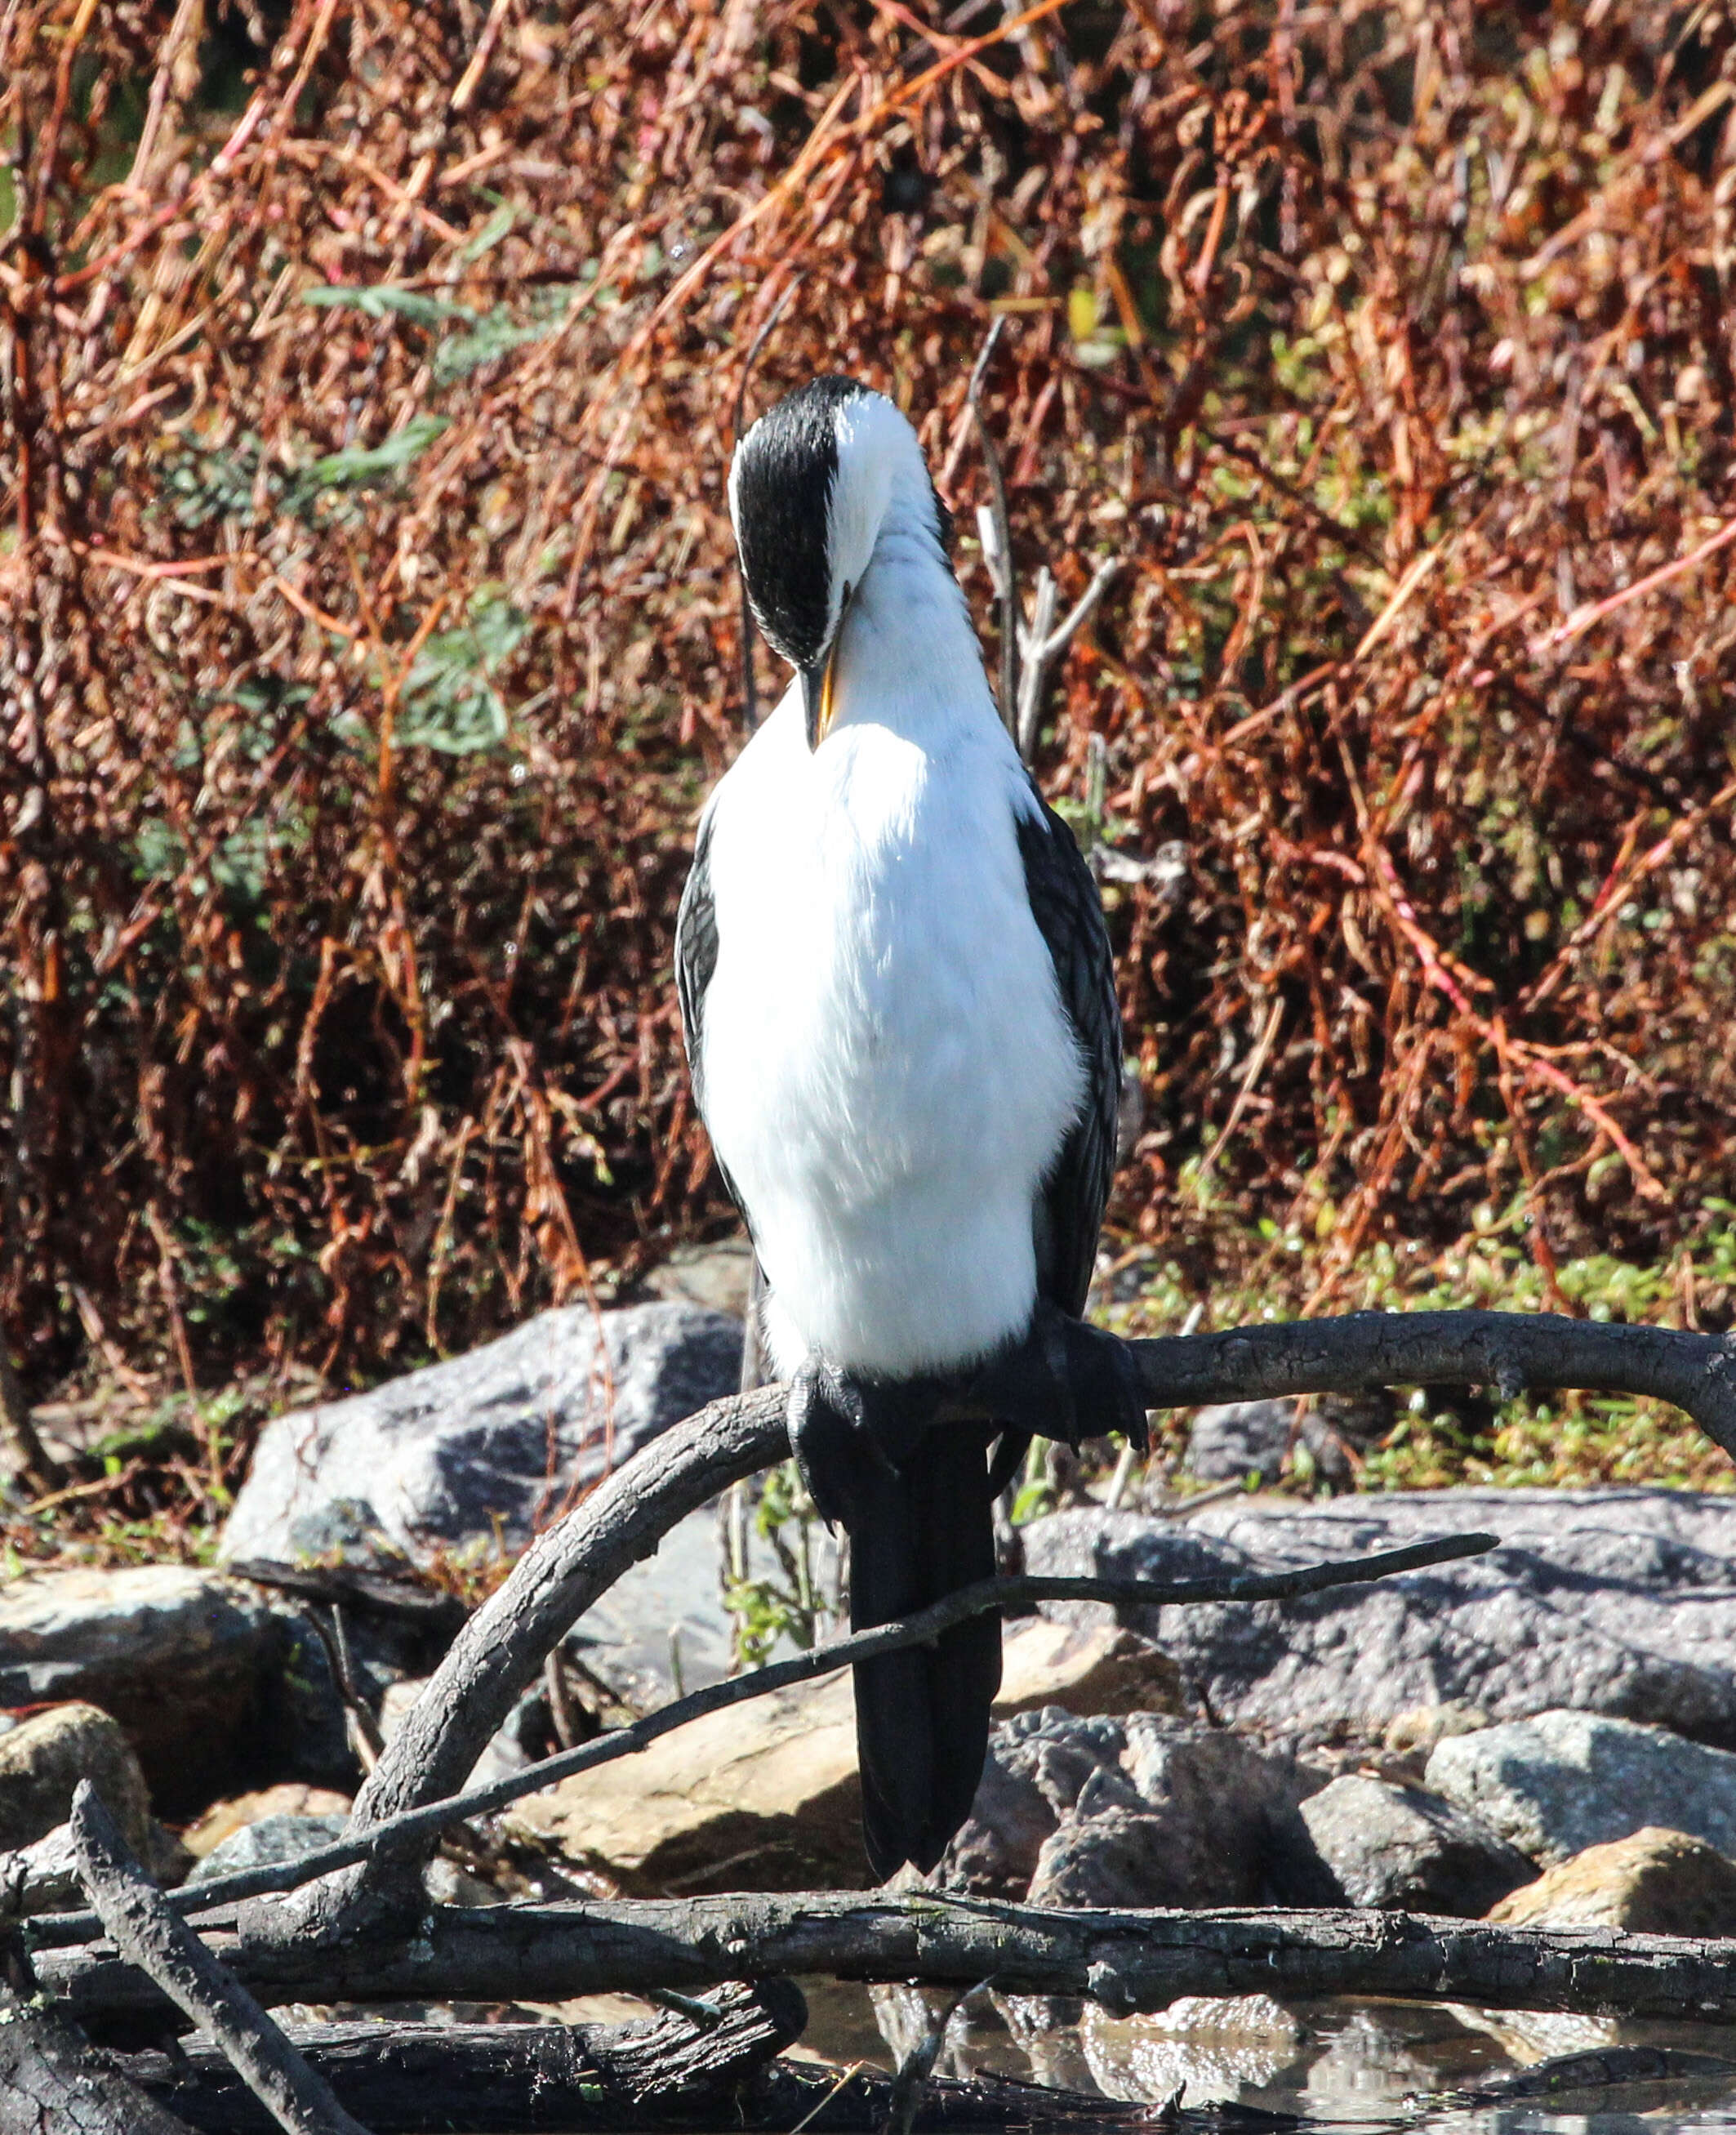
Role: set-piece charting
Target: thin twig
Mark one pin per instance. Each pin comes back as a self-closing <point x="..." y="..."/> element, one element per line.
<point x="1008" y="1596"/>
<point x="150" y="1934"/>
<point x="1043" y="646"/>
<point x="996" y="527"/>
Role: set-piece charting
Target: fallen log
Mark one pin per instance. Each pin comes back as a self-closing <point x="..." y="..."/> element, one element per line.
<point x="1126" y="1961"/>
<point x="500" y="2078"/>
<point x="527" y="2078"/>
<point x="51" y="2079"/>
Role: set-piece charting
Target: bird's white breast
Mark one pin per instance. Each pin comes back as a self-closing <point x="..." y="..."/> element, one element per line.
<point x="888" y="1070"/>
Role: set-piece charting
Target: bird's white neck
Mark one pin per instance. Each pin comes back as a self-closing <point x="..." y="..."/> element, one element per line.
<point x="908" y="657"/>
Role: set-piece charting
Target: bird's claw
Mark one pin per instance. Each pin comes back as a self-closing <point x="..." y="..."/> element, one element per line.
<point x="1065" y="1380"/>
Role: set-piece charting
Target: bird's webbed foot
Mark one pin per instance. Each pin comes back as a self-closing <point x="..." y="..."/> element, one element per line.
<point x="1065" y="1380"/>
<point x="844" y="1429"/>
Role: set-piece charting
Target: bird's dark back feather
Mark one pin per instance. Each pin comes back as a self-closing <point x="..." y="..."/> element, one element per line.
<point x="1069" y="915"/>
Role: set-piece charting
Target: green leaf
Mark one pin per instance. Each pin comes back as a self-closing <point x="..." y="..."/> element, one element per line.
<point x="490" y="234"/>
<point x="359" y="463"/>
<point x="425" y="310"/>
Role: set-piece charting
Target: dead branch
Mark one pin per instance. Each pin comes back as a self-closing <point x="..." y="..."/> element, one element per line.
<point x="1513" y="1352"/>
<point x="995" y="527"/>
<point x="145" y="1930"/>
<point x="1126" y="1961"/>
<point x="1042" y="642"/>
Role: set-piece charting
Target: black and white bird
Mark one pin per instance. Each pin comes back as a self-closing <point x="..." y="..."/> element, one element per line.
<point x="900" y="1021"/>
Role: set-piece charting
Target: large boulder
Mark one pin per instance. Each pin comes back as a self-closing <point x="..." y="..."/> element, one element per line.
<point x="213" y="1685"/>
<point x="498" y="1441"/>
<point x="765" y="1796"/>
<point x="1406" y="1850"/>
<point x="43" y="1758"/>
<point x="1654" y="1882"/>
<point x="1563" y="1781"/>
<point x="1189" y="1816"/>
<point x="1614" y="1601"/>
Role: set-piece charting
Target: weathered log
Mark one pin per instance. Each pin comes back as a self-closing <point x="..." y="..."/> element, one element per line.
<point x="502" y="2076"/>
<point x="144" y="1930"/>
<point x="503" y="1644"/>
<point x="1125" y="1960"/>
<point x="51" y="2079"/>
<point x="522" y="2079"/>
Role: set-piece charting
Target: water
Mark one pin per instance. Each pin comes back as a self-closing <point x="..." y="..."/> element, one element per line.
<point x="1364" y="2065"/>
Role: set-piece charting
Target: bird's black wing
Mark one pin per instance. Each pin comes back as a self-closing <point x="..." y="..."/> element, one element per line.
<point x="696" y="958"/>
<point x="696" y="954"/>
<point x="1069" y="914"/>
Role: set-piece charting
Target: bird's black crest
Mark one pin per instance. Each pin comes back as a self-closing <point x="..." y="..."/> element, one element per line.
<point x="789" y="462"/>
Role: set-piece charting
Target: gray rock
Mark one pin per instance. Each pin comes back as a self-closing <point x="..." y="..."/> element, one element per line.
<point x="1143" y="1811"/>
<point x="1038" y="1765"/>
<point x="1563" y="1781"/>
<point x="1234" y="1441"/>
<point x="42" y="1761"/>
<point x="214" y="1688"/>
<point x="1404" y="1849"/>
<point x="1231" y="1440"/>
<point x="498" y="1440"/>
<point x="271" y="1842"/>
<point x="1614" y="1601"/>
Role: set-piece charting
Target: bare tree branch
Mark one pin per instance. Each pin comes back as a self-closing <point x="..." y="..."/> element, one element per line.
<point x="1513" y="1352"/>
<point x="143" y="1929"/>
<point x="1044" y="642"/>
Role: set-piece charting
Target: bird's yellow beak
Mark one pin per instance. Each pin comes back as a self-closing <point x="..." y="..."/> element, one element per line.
<point x="819" y="695"/>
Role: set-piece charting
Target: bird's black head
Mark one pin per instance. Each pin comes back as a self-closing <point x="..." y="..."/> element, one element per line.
<point x="780" y="492"/>
<point x="812" y="484"/>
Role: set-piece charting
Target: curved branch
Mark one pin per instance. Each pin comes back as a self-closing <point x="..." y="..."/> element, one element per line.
<point x="504" y="1644"/>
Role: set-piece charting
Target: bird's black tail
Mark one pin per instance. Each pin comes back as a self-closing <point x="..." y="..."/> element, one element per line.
<point x="916" y="1498"/>
<point x="921" y="1532"/>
